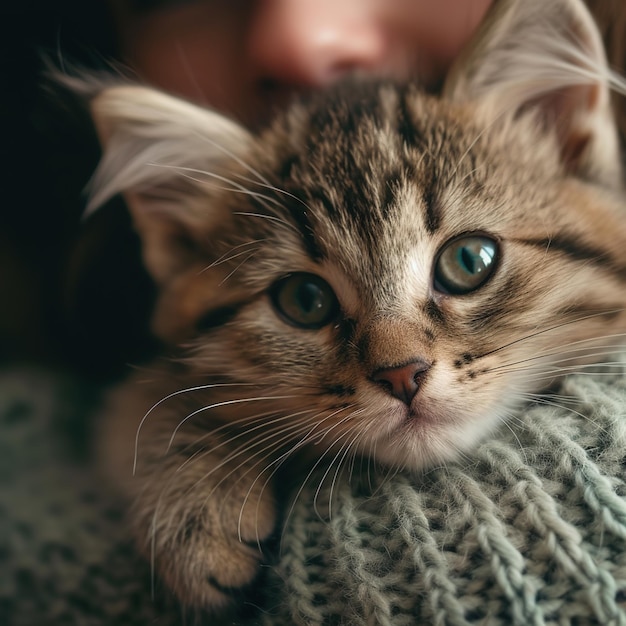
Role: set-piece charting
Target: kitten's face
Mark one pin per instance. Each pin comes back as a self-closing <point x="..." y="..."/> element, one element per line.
<point x="381" y="271"/>
<point x="392" y="273"/>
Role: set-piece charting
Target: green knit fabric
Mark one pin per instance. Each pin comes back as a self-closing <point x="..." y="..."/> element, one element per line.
<point x="529" y="530"/>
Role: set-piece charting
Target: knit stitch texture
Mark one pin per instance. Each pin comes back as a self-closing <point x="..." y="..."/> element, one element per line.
<point x="528" y="530"/>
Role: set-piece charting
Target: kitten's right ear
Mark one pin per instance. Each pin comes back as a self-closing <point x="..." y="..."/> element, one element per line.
<point x="164" y="155"/>
<point x="546" y="56"/>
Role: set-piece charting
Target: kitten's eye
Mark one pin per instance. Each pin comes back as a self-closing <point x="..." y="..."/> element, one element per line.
<point x="305" y="300"/>
<point x="464" y="264"/>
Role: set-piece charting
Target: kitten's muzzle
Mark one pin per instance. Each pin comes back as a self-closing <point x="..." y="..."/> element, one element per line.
<point x="404" y="381"/>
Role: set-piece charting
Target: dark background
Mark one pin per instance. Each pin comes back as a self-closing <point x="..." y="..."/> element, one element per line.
<point x="72" y="292"/>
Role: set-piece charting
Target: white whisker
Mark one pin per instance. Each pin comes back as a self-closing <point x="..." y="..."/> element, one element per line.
<point x="223" y="403"/>
<point x="346" y="447"/>
<point x="186" y="172"/>
<point x="173" y="395"/>
<point x="277" y="190"/>
<point x="286" y="435"/>
<point x="543" y="331"/>
<point x="279" y="461"/>
<point x="253" y="424"/>
<point x="236" y="269"/>
<point x="271" y="218"/>
<point x="234" y="157"/>
<point x="317" y="463"/>
<point x="229" y="256"/>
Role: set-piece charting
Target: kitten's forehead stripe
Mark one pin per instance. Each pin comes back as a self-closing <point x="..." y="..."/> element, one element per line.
<point x="297" y="207"/>
<point x="355" y="188"/>
<point x="362" y="151"/>
<point x="371" y="163"/>
<point x="432" y="208"/>
<point x="300" y="216"/>
<point x="337" y="115"/>
<point x="407" y="129"/>
<point x="414" y="137"/>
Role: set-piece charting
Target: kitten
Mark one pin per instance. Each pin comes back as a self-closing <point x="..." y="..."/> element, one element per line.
<point x="379" y="272"/>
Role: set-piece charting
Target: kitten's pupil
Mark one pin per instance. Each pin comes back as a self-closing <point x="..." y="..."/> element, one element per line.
<point x="310" y="298"/>
<point x="468" y="261"/>
<point x="465" y="264"/>
<point x="305" y="300"/>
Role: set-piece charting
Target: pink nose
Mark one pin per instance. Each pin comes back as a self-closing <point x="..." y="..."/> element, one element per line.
<point x="402" y="382"/>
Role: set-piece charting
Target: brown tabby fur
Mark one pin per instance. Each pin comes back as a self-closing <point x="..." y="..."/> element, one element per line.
<point x="362" y="186"/>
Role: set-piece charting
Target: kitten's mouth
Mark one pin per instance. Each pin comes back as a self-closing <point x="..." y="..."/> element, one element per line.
<point x="413" y="414"/>
<point x="418" y="415"/>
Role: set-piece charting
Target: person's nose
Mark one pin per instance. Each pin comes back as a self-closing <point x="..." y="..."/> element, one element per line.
<point x="312" y="43"/>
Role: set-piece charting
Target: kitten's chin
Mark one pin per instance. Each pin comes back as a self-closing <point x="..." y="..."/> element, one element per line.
<point x="423" y="439"/>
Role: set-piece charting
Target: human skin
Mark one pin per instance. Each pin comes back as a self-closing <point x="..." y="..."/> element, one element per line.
<point x="245" y="56"/>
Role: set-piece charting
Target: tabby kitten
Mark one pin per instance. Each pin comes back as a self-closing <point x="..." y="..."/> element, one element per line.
<point x="379" y="272"/>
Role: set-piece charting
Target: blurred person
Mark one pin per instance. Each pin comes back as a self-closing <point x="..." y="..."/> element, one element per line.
<point x="82" y="284"/>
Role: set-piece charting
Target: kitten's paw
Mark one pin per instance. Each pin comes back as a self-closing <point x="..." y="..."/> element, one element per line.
<point x="216" y="573"/>
<point x="216" y="554"/>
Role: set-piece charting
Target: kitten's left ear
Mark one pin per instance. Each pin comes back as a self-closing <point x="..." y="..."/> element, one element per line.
<point x="545" y="55"/>
<point x="167" y="157"/>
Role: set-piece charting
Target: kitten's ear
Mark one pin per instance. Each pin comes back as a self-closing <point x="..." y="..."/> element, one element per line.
<point x="546" y="55"/>
<point x="164" y="155"/>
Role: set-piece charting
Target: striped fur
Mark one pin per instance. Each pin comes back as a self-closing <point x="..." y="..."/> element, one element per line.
<point x="362" y="186"/>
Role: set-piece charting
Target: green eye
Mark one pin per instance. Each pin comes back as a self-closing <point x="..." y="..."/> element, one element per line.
<point x="305" y="300"/>
<point x="465" y="264"/>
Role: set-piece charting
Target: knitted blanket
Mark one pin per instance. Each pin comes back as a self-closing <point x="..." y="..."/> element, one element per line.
<point x="529" y="530"/>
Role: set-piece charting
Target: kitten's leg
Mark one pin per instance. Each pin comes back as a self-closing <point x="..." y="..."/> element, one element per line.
<point x="200" y="511"/>
<point x="203" y="518"/>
